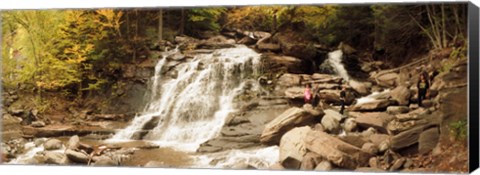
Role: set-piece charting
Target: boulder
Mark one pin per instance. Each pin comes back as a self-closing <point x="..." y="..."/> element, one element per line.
<point x="338" y="152"/>
<point x="350" y="125"/>
<point x="38" y="124"/>
<point x="268" y="47"/>
<point x="370" y="148"/>
<point x="277" y="166"/>
<point x="289" y="80"/>
<point x="56" y="158"/>
<point x="354" y="139"/>
<point x="377" y="120"/>
<point x="373" y="162"/>
<point x="291" y="163"/>
<point x="377" y="139"/>
<point x="292" y="64"/>
<point x="52" y="144"/>
<point x="292" y="145"/>
<point x="293" y="117"/>
<point x="105" y="161"/>
<point x="361" y="88"/>
<point x="406" y="138"/>
<point x="77" y="157"/>
<point x="331" y="121"/>
<point x="295" y="93"/>
<point x="428" y="140"/>
<point x="401" y="94"/>
<point x="397" y="110"/>
<point x="387" y="80"/>
<point x="310" y="161"/>
<point x="73" y="142"/>
<point x="324" y="165"/>
<point x="397" y="164"/>
<point x="374" y="105"/>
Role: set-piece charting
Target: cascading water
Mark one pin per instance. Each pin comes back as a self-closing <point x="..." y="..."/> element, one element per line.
<point x="335" y="60"/>
<point x="192" y="107"/>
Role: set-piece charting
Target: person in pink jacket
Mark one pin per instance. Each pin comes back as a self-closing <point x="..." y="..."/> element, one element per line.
<point x="307" y="93"/>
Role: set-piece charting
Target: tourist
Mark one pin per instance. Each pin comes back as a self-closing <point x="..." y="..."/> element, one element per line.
<point x="422" y="86"/>
<point x="342" y="98"/>
<point x="307" y="93"/>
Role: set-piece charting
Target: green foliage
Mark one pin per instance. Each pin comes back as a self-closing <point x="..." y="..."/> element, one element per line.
<point x="204" y="19"/>
<point x="459" y="129"/>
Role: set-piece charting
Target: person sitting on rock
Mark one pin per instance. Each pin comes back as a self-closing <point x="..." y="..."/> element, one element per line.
<point x="342" y="98"/>
<point x="307" y="93"/>
<point x="422" y="86"/>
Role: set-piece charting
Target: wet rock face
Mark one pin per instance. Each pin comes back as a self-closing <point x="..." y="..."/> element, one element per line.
<point x="292" y="144"/>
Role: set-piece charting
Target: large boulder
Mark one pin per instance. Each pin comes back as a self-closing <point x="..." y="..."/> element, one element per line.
<point x="105" y="161"/>
<point x="377" y="120"/>
<point x="310" y="161"/>
<point x="407" y="138"/>
<point x="293" y="117"/>
<point x="401" y="94"/>
<point x="77" y="157"/>
<point x="428" y="140"/>
<point x="387" y="80"/>
<point x="374" y="105"/>
<point x="295" y="93"/>
<point x="56" y="158"/>
<point x="289" y="80"/>
<point x="52" y="144"/>
<point x="338" y="152"/>
<point x="350" y="125"/>
<point x="291" y="64"/>
<point x="361" y="88"/>
<point x="331" y="121"/>
<point x="324" y="165"/>
<point x="397" y="110"/>
<point x="292" y="144"/>
<point x="73" y="142"/>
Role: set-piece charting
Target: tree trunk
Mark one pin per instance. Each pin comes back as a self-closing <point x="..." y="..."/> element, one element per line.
<point x="444" y="30"/>
<point x="182" y="22"/>
<point x="160" y="25"/>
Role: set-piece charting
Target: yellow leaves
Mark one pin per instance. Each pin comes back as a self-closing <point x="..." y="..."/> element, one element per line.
<point x="78" y="53"/>
<point x="109" y="18"/>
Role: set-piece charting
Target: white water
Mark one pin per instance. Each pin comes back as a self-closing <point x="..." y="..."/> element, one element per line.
<point x="260" y="158"/>
<point x="192" y="107"/>
<point x="335" y="60"/>
<point x="372" y="97"/>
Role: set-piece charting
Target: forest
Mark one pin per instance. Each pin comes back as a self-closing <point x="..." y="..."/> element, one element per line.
<point x="77" y="52"/>
<point x="371" y="87"/>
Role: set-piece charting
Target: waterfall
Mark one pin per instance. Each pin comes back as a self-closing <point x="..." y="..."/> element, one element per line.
<point x="335" y="60"/>
<point x="192" y="107"/>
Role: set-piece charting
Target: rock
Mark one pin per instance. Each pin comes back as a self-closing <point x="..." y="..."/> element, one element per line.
<point x="370" y="148"/>
<point x="387" y="80"/>
<point x="408" y="163"/>
<point x="361" y="88"/>
<point x="369" y="132"/>
<point x="268" y="47"/>
<point x="324" y="165"/>
<point x="292" y="144"/>
<point x="291" y="163"/>
<point x="374" y="105"/>
<point x="293" y="117"/>
<point x="319" y="127"/>
<point x="347" y="49"/>
<point x="356" y="140"/>
<point x="295" y="93"/>
<point x="397" y="110"/>
<point x="428" y="140"/>
<point x="315" y="112"/>
<point x="52" y="144"/>
<point x="384" y="146"/>
<point x="330" y="124"/>
<point x="39" y="141"/>
<point x="401" y="94"/>
<point x="406" y="138"/>
<point x="289" y="80"/>
<point x="105" y="161"/>
<point x="56" y="158"/>
<point x="177" y="56"/>
<point x="350" y="125"/>
<point x="38" y="124"/>
<point x="335" y="150"/>
<point x="397" y="164"/>
<point x="77" y="157"/>
<point x="377" y="139"/>
<point x="292" y="64"/>
<point x="73" y="142"/>
<point x="277" y="166"/>
<point x="373" y="162"/>
<point x="310" y="161"/>
<point x="377" y="120"/>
